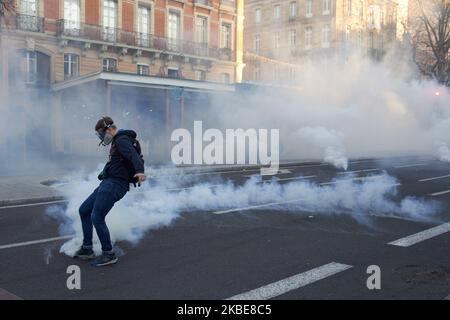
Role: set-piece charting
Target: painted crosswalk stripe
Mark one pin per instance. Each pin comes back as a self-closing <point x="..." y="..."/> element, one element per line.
<point x="421" y="236"/>
<point x="28" y="243"/>
<point x="439" y="193"/>
<point x="292" y="283"/>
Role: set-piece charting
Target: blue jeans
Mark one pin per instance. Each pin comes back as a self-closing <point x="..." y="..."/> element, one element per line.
<point x="95" y="208"/>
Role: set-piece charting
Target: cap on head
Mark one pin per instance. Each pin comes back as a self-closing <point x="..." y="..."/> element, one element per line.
<point x="104" y="123"/>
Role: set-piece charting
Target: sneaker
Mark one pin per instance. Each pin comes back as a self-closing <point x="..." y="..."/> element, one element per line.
<point x="84" y="254"/>
<point x="104" y="260"/>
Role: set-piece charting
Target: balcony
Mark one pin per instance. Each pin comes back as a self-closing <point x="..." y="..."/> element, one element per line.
<point x="29" y="23"/>
<point x="117" y="37"/>
<point x="228" y="5"/>
<point x="204" y="3"/>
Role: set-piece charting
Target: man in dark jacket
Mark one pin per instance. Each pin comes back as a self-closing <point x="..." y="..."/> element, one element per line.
<point x="124" y="165"/>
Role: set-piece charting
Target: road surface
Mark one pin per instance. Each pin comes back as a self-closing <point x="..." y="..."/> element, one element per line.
<point x="251" y="253"/>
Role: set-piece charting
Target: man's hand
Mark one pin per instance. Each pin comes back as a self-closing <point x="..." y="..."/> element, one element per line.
<point x="141" y="177"/>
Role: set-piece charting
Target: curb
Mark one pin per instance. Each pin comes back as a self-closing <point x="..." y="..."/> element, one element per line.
<point x="25" y="201"/>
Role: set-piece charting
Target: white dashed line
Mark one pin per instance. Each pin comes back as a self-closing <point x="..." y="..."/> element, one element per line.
<point x="258" y="206"/>
<point x="421" y="236"/>
<point x="359" y="171"/>
<point x="411" y="165"/>
<point x="439" y="193"/>
<point x="434" y="178"/>
<point x="29" y="243"/>
<point x="292" y="283"/>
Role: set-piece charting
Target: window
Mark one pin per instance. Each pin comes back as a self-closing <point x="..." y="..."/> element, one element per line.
<point x="109" y="65"/>
<point x="225" y="77"/>
<point x="71" y="15"/>
<point x="258" y="15"/>
<point x="292" y="9"/>
<point x="200" y="75"/>
<point x="308" y="37"/>
<point x="28" y="7"/>
<point x="348" y="31"/>
<point x="276" y="40"/>
<point x="173" y="73"/>
<point x="326" y="36"/>
<point x="374" y="17"/>
<point x="31" y="67"/>
<point x="26" y="19"/>
<point x="276" y="11"/>
<point x="201" y="29"/>
<point x="326" y="7"/>
<point x="257" y="44"/>
<point x="276" y="72"/>
<point x="348" y="7"/>
<point x="309" y="8"/>
<point x="292" y="74"/>
<point x="257" y="73"/>
<point x="109" y="20"/>
<point x="292" y="38"/>
<point x="71" y="65"/>
<point x="225" y="38"/>
<point x="143" y="70"/>
<point x="173" y="32"/>
<point x="144" y="26"/>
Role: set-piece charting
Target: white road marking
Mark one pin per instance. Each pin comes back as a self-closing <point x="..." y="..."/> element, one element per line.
<point x="254" y="170"/>
<point x="257" y="206"/>
<point x="287" y="179"/>
<point x="292" y="283"/>
<point x="439" y="193"/>
<point x="447" y="297"/>
<point x="33" y="204"/>
<point x="359" y="171"/>
<point x="29" y="243"/>
<point x="266" y="181"/>
<point x="434" y="178"/>
<point x="411" y="165"/>
<point x="421" y="236"/>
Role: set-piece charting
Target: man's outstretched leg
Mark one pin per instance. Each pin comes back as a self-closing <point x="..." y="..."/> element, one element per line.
<point x="86" y="252"/>
<point x="109" y="192"/>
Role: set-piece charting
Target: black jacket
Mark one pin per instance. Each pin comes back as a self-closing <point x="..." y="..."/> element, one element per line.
<point x="124" y="161"/>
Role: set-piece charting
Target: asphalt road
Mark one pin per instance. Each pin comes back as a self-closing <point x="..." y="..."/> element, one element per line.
<point x="252" y="253"/>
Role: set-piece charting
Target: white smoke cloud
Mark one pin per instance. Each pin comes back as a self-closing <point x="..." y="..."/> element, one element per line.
<point x="329" y="141"/>
<point x="154" y="206"/>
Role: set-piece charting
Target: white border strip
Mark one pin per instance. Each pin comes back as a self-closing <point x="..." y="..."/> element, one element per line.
<point x="421" y="236"/>
<point x="28" y="243"/>
<point x="292" y="283"/>
<point x="33" y="204"/>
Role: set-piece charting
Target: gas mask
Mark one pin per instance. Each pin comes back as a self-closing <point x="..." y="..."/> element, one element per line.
<point x="105" y="138"/>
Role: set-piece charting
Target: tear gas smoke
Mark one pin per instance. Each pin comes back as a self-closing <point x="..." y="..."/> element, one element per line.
<point x="157" y="205"/>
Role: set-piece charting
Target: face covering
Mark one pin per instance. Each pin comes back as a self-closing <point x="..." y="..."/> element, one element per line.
<point x="105" y="138"/>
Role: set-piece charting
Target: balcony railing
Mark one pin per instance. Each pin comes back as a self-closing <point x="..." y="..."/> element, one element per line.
<point x="29" y="23"/>
<point x="117" y="36"/>
<point x="229" y="3"/>
<point x="207" y="3"/>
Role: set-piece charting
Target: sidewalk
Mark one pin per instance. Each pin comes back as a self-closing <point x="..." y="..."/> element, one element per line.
<point x="24" y="190"/>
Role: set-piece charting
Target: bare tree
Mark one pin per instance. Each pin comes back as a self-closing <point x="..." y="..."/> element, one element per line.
<point x="431" y="38"/>
<point x="6" y="6"/>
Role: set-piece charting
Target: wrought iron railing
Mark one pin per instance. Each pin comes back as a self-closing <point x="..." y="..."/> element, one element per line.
<point x="29" y="23"/>
<point x="207" y="3"/>
<point x="117" y="36"/>
<point x="229" y="3"/>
